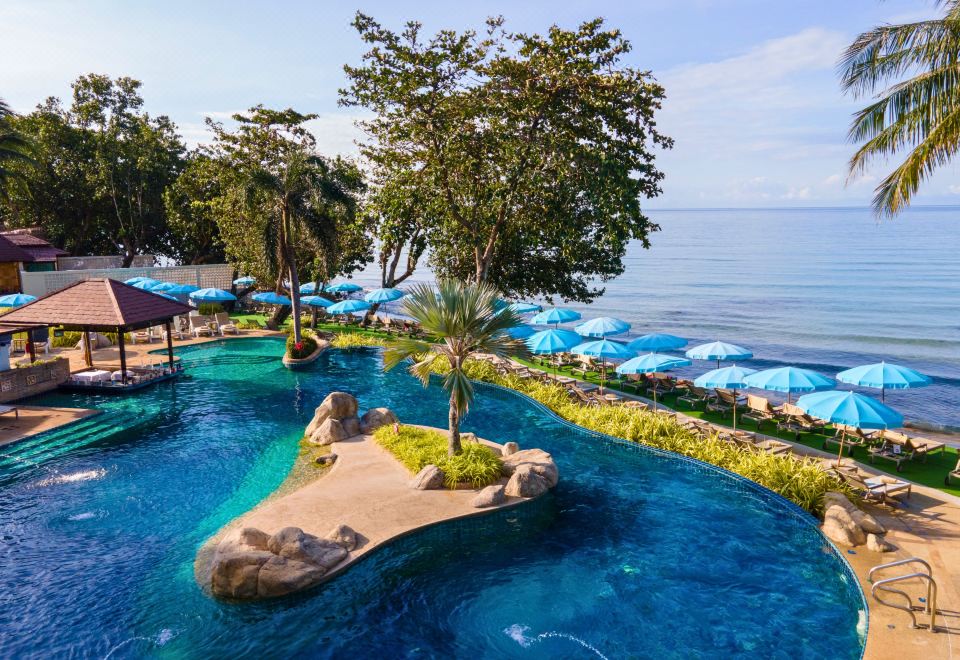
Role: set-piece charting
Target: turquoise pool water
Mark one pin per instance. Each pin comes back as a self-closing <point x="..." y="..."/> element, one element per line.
<point x="635" y="554"/>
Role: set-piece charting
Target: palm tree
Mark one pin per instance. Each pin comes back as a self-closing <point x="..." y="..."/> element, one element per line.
<point x="13" y="147"/>
<point x="302" y="199"/>
<point x="464" y="318"/>
<point x="916" y="68"/>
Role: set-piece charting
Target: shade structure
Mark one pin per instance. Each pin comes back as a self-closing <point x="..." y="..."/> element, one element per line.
<point x="657" y="342"/>
<point x="522" y="331"/>
<point x="139" y="278"/>
<point x="212" y="295"/>
<point x="348" y="307"/>
<point x="604" y="349"/>
<point x="343" y="287"/>
<point x="246" y="280"/>
<point x="851" y="409"/>
<point x="147" y="285"/>
<point x="603" y="326"/>
<point x="316" y="301"/>
<point x="883" y="376"/>
<point x="652" y="363"/>
<point x="727" y="378"/>
<point x="718" y="350"/>
<point x="165" y="295"/>
<point x="182" y="289"/>
<point x="308" y="288"/>
<point x="270" y="298"/>
<point x="163" y="286"/>
<point x="789" y="380"/>
<point x="547" y="342"/>
<point x="380" y="296"/>
<point x="16" y="299"/>
<point x="555" y="315"/>
<point x="524" y="307"/>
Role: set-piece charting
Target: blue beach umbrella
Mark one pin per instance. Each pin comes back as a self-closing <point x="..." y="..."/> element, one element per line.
<point x="246" y="280"/>
<point x="727" y="378"/>
<point x="547" y="342"/>
<point x="790" y="380"/>
<point x="652" y="363"/>
<point x="348" y="306"/>
<point x="165" y="295"/>
<point x="522" y="331"/>
<point x="602" y="327"/>
<point x="343" y="287"/>
<point x="182" y="289"/>
<point x="604" y="349"/>
<point x="163" y="287"/>
<point x="309" y="288"/>
<point x="16" y="299"/>
<point x="146" y="285"/>
<point x="524" y="307"/>
<point x="212" y="295"/>
<point x="883" y="376"/>
<point x="316" y="301"/>
<point x="850" y="409"/>
<point x="139" y="278"/>
<point x="271" y="298"/>
<point x="718" y="350"/>
<point x="555" y="316"/>
<point x="657" y="342"/>
<point x="379" y="296"/>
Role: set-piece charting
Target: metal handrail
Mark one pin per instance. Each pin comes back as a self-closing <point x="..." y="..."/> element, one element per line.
<point x="931" y="607"/>
<point x="901" y="562"/>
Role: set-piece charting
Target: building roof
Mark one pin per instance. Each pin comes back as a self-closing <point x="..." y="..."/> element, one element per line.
<point x="98" y="303"/>
<point x="9" y="252"/>
<point x="35" y="246"/>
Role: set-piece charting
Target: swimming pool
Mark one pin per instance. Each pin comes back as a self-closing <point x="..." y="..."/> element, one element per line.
<point x="635" y="554"/>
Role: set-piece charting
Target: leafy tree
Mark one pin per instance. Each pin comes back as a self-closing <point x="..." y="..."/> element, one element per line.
<point x="14" y="148"/>
<point x="193" y="204"/>
<point x="914" y="68"/>
<point x="537" y="148"/>
<point x="402" y="215"/>
<point x="465" y="320"/>
<point x="281" y="198"/>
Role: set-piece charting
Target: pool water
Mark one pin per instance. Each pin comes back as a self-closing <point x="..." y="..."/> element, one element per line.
<point x="635" y="554"/>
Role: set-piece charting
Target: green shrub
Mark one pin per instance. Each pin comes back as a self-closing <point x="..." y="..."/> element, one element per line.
<point x="800" y="480"/>
<point x="304" y="348"/>
<point x="356" y="339"/>
<point x="416" y="448"/>
<point x="68" y="339"/>
<point x="209" y="309"/>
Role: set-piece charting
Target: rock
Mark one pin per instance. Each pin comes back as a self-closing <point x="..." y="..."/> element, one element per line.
<point x="344" y="536"/>
<point x="468" y="437"/>
<point x="375" y="418"/>
<point x="329" y="432"/>
<point x="838" y="533"/>
<point x="293" y="543"/>
<point x="525" y="482"/>
<point x="429" y="478"/>
<point x="489" y="496"/>
<point x="280" y="576"/>
<point x="867" y="522"/>
<point x="236" y="574"/>
<point x="337" y="405"/>
<point x="510" y="448"/>
<point x="326" y="459"/>
<point x="837" y="517"/>
<point x="877" y="543"/>
<point x="351" y="425"/>
<point x="539" y="461"/>
<point x="319" y="417"/>
<point x="253" y="539"/>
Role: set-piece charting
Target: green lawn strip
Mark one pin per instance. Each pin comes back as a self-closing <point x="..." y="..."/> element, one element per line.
<point x="927" y="473"/>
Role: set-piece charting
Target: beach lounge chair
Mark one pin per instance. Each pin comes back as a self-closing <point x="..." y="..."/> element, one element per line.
<point x="8" y="409"/>
<point x="851" y="437"/>
<point x="695" y="396"/>
<point x="585" y="366"/>
<point x="794" y="419"/>
<point x="880" y="489"/>
<point x="922" y="446"/>
<point x="759" y="410"/>
<point x="226" y="324"/>
<point x="199" y="326"/>
<point x="952" y="474"/>
<point x="892" y="451"/>
<point x="724" y="403"/>
<point x="582" y="397"/>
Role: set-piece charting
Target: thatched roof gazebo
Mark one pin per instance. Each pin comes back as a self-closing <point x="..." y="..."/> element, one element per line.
<point x="101" y="305"/>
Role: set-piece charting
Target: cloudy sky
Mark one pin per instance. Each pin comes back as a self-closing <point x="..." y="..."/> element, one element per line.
<point x="753" y="100"/>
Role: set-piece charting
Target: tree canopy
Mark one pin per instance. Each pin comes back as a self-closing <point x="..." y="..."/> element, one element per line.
<point x="537" y="149"/>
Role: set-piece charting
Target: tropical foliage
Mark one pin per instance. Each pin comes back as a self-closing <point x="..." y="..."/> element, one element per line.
<point x="465" y="321"/>
<point x="356" y="340"/>
<point x="913" y="69"/>
<point x="530" y="152"/>
<point x="302" y="348"/>
<point x="416" y="448"/>
<point x="14" y="148"/>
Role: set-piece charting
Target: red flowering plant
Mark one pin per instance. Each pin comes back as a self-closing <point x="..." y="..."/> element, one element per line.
<point x="301" y="349"/>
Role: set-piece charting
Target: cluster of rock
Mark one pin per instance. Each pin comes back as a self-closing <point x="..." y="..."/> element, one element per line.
<point x="845" y="524"/>
<point x="335" y="420"/>
<point x="250" y="563"/>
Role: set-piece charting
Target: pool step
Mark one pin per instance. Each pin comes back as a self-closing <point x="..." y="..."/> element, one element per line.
<point x="228" y="360"/>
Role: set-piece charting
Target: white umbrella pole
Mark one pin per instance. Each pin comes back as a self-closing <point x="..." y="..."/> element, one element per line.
<point x="734" y="411"/>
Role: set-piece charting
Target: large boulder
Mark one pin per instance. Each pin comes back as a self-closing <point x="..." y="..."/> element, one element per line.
<point x="525" y="482"/>
<point x="351" y="426"/>
<point x="237" y="574"/>
<point x="429" y="478"/>
<point x="280" y="576"/>
<point x="489" y="496"/>
<point x="375" y="418"/>
<point x="876" y="543"/>
<point x="293" y="543"/>
<point x="509" y="448"/>
<point x="330" y="431"/>
<point x="835" y="519"/>
<point x="343" y="536"/>
<point x="539" y="461"/>
<point x="337" y="405"/>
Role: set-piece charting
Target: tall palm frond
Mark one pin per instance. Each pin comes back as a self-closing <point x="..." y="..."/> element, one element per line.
<point x="465" y="321"/>
<point x="920" y="113"/>
<point x="14" y="147"/>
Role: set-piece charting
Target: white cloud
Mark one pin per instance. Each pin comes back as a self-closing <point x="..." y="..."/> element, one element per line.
<point x="833" y="180"/>
<point x="954" y="189"/>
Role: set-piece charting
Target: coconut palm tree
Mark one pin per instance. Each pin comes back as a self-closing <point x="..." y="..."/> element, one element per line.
<point x="465" y="320"/>
<point x="915" y="67"/>
<point x="13" y="147"/>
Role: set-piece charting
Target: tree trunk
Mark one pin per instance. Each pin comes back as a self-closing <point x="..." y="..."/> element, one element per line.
<point x="295" y="300"/>
<point x="454" y="448"/>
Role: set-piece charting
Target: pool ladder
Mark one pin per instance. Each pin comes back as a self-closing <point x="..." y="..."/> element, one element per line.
<point x="884" y="586"/>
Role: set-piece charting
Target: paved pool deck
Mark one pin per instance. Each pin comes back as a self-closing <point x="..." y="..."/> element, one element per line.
<point x="37" y="419"/>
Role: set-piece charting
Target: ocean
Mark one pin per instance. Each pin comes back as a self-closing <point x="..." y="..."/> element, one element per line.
<point x="822" y="288"/>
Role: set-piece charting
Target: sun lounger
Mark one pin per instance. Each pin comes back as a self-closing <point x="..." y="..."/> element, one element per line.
<point x="226" y="324"/>
<point x="892" y="451"/>
<point x="724" y="402"/>
<point x="199" y="326"/>
<point x="792" y="418"/>
<point x="759" y="410"/>
<point x="922" y="446"/>
<point x="952" y="474"/>
<point x="851" y="437"/>
<point x="696" y="395"/>
<point x="8" y="409"/>
<point x="880" y="489"/>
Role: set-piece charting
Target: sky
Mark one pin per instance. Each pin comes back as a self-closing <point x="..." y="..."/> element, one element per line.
<point x="753" y="101"/>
